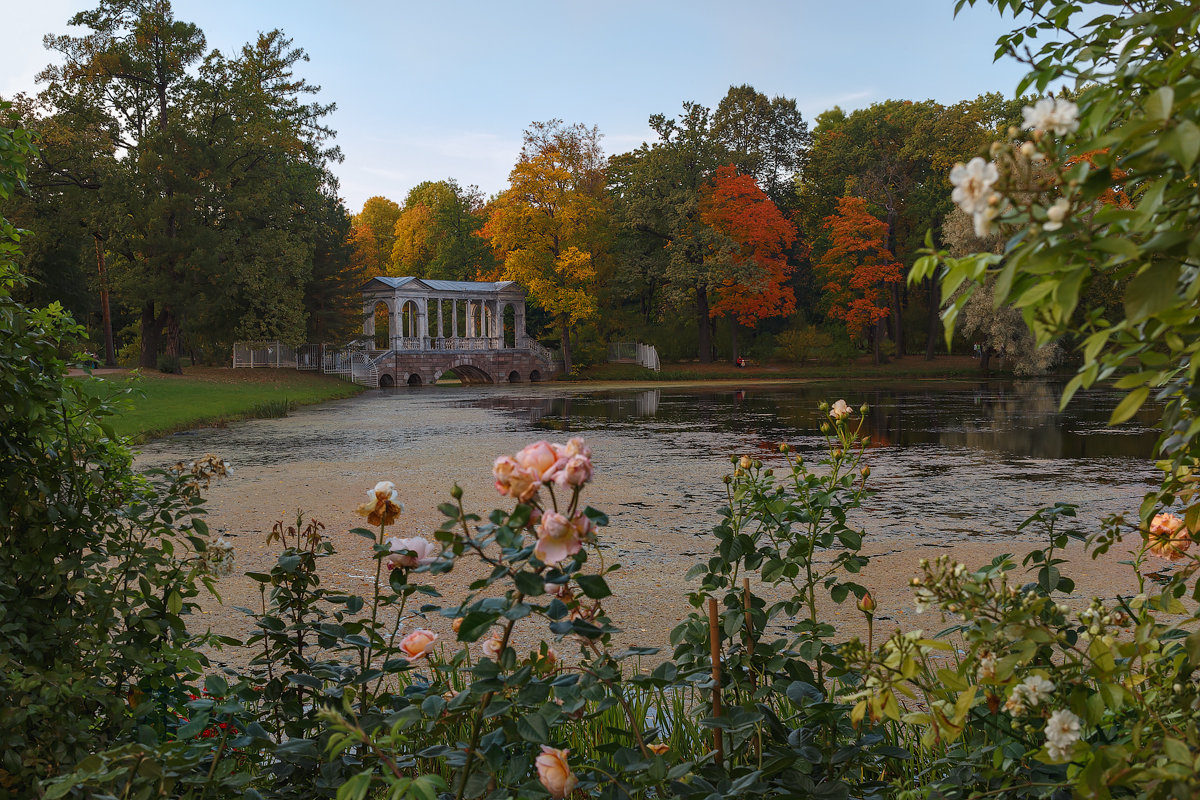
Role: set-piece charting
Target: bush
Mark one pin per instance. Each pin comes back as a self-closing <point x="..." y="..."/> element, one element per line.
<point x="169" y="364"/>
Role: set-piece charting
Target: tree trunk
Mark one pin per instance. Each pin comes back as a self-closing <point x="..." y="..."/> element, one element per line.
<point x="733" y="343"/>
<point x="703" y="320"/>
<point x="985" y="358"/>
<point x="897" y="321"/>
<point x="151" y="333"/>
<point x="879" y="329"/>
<point x="110" y="352"/>
<point x="565" y="341"/>
<point x="933" y="327"/>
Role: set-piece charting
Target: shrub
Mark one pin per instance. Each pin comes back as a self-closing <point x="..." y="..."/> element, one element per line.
<point x="169" y="364"/>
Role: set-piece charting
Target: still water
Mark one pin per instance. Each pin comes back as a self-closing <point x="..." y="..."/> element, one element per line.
<point x="950" y="459"/>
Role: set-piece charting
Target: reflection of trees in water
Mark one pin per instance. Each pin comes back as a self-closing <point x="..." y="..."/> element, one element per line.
<point x="1020" y="418"/>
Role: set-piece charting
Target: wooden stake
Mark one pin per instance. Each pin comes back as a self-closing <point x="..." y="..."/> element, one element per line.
<point x="749" y="618"/>
<point x="714" y="638"/>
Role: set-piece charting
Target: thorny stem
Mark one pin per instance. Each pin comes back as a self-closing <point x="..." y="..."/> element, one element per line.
<point x="369" y="653"/>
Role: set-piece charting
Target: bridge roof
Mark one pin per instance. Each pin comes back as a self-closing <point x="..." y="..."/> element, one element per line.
<point x="429" y="284"/>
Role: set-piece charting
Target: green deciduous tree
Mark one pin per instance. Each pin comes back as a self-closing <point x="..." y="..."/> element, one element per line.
<point x="437" y="234"/>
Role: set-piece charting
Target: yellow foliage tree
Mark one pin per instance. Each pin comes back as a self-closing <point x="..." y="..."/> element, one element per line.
<point x="547" y="228"/>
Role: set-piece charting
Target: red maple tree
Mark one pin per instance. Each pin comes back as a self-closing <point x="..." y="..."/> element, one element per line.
<point x="734" y="206"/>
<point x="857" y="268"/>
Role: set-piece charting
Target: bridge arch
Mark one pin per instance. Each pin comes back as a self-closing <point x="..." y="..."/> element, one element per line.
<point x="470" y="374"/>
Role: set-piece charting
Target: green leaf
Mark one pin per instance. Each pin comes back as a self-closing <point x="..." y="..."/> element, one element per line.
<point x="594" y="586"/>
<point x="1129" y="406"/>
<point x="356" y="787"/>
<point x="174" y="602"/>
<point x="1158" y="104"/>
<point x="1151" y="290"/>
<point x="1182" y="143"/>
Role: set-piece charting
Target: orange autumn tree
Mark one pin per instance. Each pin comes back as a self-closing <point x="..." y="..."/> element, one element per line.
<point x="758" y="237"/>
<point x="858" y="270"/>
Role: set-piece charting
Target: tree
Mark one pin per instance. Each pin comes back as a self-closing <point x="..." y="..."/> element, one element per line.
<point x="858" y="270"/>
<point x="767" y="139"/>
<point x="758" y="236"/>
<point x="198" y="179"/>
<point x="131" y="69"/>
<point x="896" y="154"/>
<point x="374" y="236"/>
<point x="547" y="227"/>
<point x="437" y="234"/>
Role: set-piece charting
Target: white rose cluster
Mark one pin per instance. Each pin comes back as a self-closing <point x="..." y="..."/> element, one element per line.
<point x="1056" y="114"/>
<point x="220" y="558"/>
<point x="1062" y="731"/>
<point x="973" y="192"/>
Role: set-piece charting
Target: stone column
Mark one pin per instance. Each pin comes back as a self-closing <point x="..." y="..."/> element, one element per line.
<point x="519" y="322"/>
<point x="454" y="318"/>
<point x="470" y="319"/>
<point x="369" y="320"/>
<point x="441" y="333"/>
<point x="423" y="321"/>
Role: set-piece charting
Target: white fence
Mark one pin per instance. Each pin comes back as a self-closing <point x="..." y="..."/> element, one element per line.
<point x="645" y="355"/>
<point x="264" y="354"/>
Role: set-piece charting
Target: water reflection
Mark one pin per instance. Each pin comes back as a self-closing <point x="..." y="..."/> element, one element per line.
<point x="1018" y="419"/>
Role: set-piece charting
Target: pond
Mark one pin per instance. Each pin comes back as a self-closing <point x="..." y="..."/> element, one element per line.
<point x="958" y="466"/>
<point x="948" y="457"/>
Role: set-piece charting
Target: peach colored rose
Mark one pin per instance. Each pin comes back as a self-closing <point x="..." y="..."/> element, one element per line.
<point x="560" y="590"/>
<point x="383" y="504"/>
<point x="555" y="773"/>
<point x="418" y="644"/>
<point x="514" y="480"/>
<point x="575" y="472"/>
<point x="840" y="410"/>
<point x="1168" y="537"/>
<point x="541" y="459"/>
<point x="414" y="552"/>
<point x="576" y="447"/>
<point x="658" y="748"/>
<point x="493" y="647"/>
<point x="456" y="624"/>
<point x="558" y="538"/>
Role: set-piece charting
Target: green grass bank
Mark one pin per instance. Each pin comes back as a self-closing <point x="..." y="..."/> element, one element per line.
<point x="161" y="404"/>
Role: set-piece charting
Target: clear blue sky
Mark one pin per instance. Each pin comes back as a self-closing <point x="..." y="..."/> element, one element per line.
<point x="430" y="90"/>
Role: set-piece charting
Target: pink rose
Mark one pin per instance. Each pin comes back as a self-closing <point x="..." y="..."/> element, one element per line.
<point x="515" y="480"/>
<point x="413" y="552"/>
<point x="418" y="644"/>
<point x="555" y="773"/>
<point x="576" y="472"/>
<point x="576" y="447"/>
<point x="558" y="538"/>
<point x="541" y="459"/>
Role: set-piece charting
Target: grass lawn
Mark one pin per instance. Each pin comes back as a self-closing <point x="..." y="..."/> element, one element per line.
<point x="163" y="404"/>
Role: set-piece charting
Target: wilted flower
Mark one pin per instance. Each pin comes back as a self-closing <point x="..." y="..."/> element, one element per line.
<point x="1057" y="213"/>
<point x="658" y="748"/>
<point x="560" y="590"/>
<point x="559" y="537"/>
<point x="219" y="557"/>
<point x="973" y="185"/>
<point x="413" y="552"/>
<point x="383" y="504"/>
<point x="1056" y="114"/>
<point x="576" y="447"/>
<point x="418" y="644"/>
<point x="456" y="624"/>
<point x="555" y="773"/>
<point x="1168" y="537"/>
<point x="1062" y="731"/>
<point x="840" y="410"/>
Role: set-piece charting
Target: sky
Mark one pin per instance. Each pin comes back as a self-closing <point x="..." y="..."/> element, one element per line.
<point x="433" y="90"/>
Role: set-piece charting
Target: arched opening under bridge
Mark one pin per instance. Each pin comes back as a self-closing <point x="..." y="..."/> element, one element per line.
<point x="468" y="374"/>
